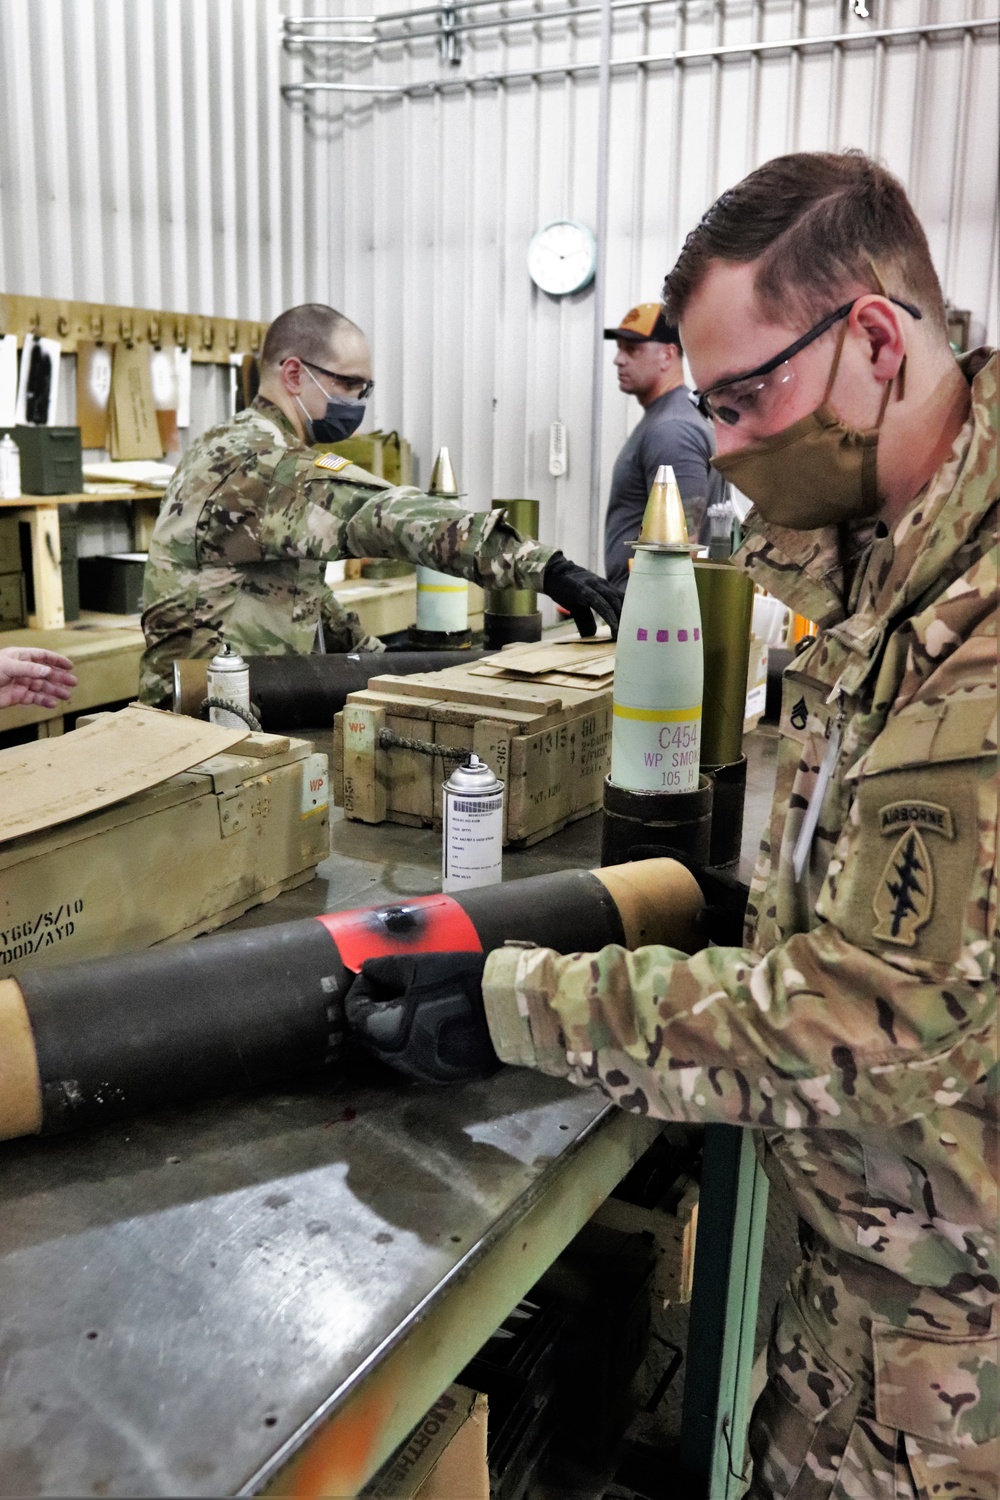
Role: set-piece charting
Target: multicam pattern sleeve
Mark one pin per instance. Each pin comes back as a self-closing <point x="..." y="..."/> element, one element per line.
<point x="313" y="514"/>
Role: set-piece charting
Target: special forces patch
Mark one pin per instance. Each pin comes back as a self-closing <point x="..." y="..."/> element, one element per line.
<point x="911" y="863"/>
<point x="333" y="462"/>
<point x="904" y="898"/>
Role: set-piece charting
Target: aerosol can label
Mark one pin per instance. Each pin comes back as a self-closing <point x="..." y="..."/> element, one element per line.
<point x="229" y="678"/>
<point x="472" y="842"/>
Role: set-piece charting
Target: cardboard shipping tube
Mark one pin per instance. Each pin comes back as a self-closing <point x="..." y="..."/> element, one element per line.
<point x="20" y="1085"/>
<point x="88" y="1042"/>
<point x="658" y="900"/>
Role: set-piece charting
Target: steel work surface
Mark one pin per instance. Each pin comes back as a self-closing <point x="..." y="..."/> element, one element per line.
<point x="183" y="1294"/>
<point x="182" y="1297"/>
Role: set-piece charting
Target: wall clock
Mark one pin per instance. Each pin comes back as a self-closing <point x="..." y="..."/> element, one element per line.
<point x="562" y="257"/>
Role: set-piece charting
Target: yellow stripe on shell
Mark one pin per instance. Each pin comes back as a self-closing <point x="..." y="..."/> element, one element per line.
<point x="658" y="715"/>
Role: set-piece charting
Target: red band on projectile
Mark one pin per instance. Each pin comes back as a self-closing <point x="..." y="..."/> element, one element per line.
<point x="421" y="924"/>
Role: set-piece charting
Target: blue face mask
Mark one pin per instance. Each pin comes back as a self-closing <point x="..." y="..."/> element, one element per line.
<point x="341" y="418"/>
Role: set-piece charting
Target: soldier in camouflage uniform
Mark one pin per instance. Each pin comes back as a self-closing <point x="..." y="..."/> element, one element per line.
<point x="856" y="1030"/>
<point x="253" y="515"/>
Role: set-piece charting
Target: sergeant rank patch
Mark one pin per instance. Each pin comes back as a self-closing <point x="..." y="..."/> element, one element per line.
<point x="904" y="897"/>
<point x="333" y="462"/>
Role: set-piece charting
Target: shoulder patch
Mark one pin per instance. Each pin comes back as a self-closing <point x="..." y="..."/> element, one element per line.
<point x="930" y="816"/>
<point x="332" y="462"/>
<point x="904" y="897"/>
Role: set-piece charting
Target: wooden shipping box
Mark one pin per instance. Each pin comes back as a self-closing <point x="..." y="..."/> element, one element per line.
<point x="540" y="716"/>
<point x="170" y="861"/>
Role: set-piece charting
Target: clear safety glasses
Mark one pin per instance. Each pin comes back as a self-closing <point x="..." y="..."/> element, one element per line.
<point x="754" y="397"/>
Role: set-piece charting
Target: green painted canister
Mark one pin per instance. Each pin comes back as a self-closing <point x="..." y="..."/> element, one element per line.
<point x="659" y="661"/>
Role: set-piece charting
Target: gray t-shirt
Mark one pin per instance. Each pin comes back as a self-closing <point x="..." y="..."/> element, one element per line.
<point x="671" y="432"/>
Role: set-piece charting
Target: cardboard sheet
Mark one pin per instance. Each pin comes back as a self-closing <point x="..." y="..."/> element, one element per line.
<point x="133" y="430"/>
<point x="47" y="782"/>
<point x="586" y="659"/>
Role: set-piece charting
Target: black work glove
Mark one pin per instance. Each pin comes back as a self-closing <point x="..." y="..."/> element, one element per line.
<point x="581" y="592"/>
<point x="423" y="1014"/>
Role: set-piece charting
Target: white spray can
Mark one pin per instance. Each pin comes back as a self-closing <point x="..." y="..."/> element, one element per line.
<point x="472" y="842"/>
<point x="10" y="468"/>
<point x="229" y="678"/>
<point x="659" y="659"/>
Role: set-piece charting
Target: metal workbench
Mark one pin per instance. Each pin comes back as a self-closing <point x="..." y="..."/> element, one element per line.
<point x="198" y="1301"/>
<point x="266" y="1293"/>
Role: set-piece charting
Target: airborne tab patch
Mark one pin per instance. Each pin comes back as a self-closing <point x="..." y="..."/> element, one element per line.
<point x="931" y="817"/>
<point x="333" y="462"/>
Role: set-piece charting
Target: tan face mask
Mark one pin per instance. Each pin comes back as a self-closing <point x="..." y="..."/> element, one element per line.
<point x="817" y="472"/>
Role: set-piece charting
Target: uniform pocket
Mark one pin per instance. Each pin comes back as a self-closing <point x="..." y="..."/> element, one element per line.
<point x="797" y="1414"/>
<point x="800" y="1370"/>
<point x="939" y="1387"/>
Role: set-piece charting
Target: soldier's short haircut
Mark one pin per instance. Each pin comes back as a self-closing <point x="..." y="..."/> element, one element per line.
<point x="309" y="330"/>
<point x="814" y="222"/>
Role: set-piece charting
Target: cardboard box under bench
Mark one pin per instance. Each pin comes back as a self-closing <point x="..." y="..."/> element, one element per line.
<point x="540" y="717"/>
<point x="178" y="859"/>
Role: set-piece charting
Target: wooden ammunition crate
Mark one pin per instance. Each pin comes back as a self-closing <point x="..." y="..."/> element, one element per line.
<point x="178" y="859"/>
<point x="540" y="716"/>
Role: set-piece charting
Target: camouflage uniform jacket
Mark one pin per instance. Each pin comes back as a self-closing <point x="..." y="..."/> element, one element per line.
<point x="858" y="1026"/>
<point x="248" y="523"/>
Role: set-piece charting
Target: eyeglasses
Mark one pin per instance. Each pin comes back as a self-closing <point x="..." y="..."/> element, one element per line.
<point x="755" y="394"/>
<point x="354" y="385"/>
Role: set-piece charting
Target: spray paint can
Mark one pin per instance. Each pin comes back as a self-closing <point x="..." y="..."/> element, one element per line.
<point x="10" y="468"/>
<point x="472" y="841"/>
<point x="229" y="678"/>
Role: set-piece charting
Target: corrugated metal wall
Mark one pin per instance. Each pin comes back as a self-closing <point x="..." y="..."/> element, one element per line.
<point x="147" y="157"/>
<point x="436" y="198"/>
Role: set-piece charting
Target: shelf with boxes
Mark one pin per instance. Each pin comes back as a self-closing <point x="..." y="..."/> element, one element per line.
<point x="40" y="513"/>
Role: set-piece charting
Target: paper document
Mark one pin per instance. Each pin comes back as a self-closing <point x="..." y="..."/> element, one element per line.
<point x="140" y="471"/>
<point x="38" y="387"/>
<point x="8" y="380"/>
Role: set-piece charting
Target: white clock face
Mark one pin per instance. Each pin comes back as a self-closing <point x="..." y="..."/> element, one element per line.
<point x="562" y="257"/>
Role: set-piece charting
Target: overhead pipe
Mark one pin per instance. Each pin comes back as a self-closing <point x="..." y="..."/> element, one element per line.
<point x="650" y="59"/>
<point x="401" y="17"/>
<point x="529" y="18"/>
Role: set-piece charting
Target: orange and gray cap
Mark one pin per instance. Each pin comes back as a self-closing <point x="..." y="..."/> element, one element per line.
<point x="645" y="324"/>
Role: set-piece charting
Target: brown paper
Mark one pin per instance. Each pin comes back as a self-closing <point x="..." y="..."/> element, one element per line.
<point x="50" y="781"/>
<point x="93" y="390"/>
<point x="134" y="430"/>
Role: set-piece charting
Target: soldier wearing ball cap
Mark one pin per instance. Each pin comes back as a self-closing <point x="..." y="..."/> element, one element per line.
<point x="649" y="362"/>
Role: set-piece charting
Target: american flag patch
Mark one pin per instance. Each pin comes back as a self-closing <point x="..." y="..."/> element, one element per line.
<point x="332" y="461"/>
